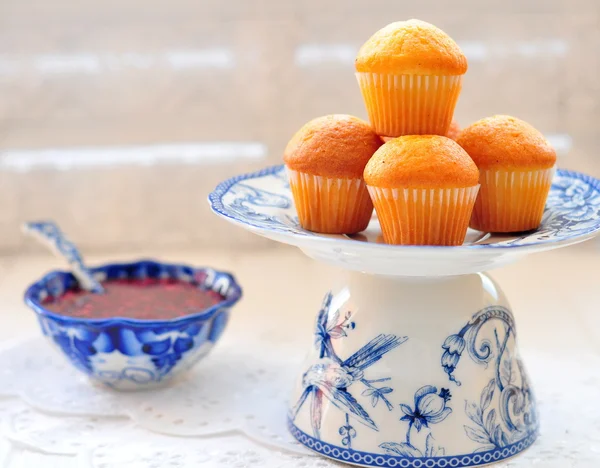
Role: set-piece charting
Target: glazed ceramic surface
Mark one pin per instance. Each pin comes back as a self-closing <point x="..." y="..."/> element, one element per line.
<point x="262" y="203"/>
<point x="414" y="361"/>
<point x="414" y="374"/>
<point x="131" y="354"/>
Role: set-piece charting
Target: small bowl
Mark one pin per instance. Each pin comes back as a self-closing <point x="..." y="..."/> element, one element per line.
<point x="134" y="354"/>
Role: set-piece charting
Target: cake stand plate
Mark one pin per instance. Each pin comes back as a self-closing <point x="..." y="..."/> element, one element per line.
<point x="415" y="360"/>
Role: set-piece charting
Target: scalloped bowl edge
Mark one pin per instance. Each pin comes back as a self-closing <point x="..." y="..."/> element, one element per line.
<point x="134" y="354"/>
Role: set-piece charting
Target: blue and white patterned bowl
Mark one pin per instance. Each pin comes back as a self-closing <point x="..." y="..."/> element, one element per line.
<point x="131" y="354"/>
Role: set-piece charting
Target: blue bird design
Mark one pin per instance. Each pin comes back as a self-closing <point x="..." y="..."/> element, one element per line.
<point x="330" y="378"/>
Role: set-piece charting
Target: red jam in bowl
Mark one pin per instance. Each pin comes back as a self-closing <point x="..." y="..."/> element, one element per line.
<point x="147" y="299"/>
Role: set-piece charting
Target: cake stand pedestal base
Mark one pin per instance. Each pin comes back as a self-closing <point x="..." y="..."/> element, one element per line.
<point x="414" y="372"/>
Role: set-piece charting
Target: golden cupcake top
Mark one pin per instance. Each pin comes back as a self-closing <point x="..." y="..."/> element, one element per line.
<point x="411" y="47"/>
<point x="505" y="142"/>
<point x="421" y="161"/>
<point x="337" y="146"/>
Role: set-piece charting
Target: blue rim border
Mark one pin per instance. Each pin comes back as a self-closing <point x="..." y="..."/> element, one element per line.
<point x="216" y="204"/>
<point x="389" y="461"/>
<point x="230" y="298"/>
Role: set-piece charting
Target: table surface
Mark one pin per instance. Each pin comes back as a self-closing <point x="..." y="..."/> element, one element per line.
<point x="554" y="296"/>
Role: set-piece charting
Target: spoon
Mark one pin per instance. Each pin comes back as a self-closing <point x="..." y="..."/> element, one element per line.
<point x="48" y="233"/>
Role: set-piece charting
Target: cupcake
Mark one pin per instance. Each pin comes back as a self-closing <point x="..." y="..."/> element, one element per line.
<point x="516" y="166"/>
<point x="410" y="76"/>
<point x="423" y="189"/>
<point x="325" y="161"/>
<point x="453" y="130"/>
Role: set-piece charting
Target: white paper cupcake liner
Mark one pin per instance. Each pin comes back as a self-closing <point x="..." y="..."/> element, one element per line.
<point x="424" y="216"/>
<point x="511" y="201"/>
<point x="410" y="104"/>
<point x="330" y="205"/>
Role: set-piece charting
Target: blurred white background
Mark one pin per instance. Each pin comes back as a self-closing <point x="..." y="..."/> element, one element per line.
<point x="118" y="117"/>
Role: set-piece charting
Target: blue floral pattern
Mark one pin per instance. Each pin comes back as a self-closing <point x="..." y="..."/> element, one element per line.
<point x="577" y="200"/>
<point x="430" y="407"/>
<point x="75" y="343"/>
<point x="572" y="210"/>
<point x="499" y="424"/>
<point x="514" y="415"/>
<point x="347" y="432"/>
<point x="331" y="377"/>
<point x="146" y="351"/>
<point x="252" y="203"/>
<point x="357" y="457"/>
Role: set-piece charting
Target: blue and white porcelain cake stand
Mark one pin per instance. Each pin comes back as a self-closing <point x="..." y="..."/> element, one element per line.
<point x="415" y="360"/>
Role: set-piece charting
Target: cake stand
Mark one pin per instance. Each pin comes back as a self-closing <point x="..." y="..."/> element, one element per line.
<point x="415" y="360"/>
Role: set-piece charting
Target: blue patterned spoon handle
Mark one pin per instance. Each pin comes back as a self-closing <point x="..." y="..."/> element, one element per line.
<point x="50" y="234"/>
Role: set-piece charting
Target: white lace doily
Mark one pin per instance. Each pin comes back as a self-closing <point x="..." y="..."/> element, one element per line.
<point x="230" y="413"/>
<point x="228" y="392"/>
